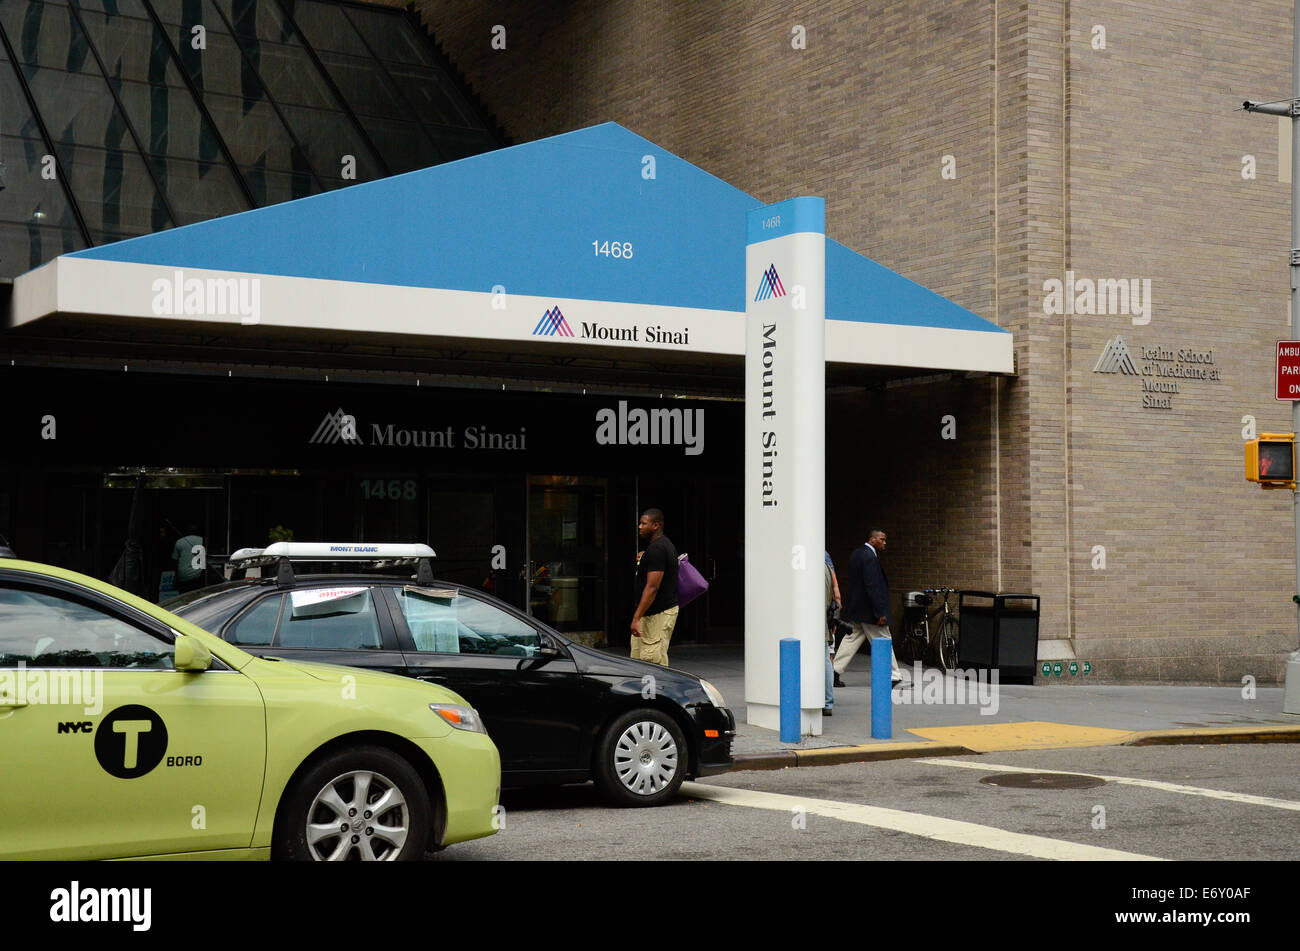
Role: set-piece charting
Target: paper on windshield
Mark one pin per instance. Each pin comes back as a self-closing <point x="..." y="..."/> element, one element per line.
<point x="313" y="601"/>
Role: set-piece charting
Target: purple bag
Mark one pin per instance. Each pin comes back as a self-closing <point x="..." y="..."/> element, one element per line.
<point x="690" y="583"/>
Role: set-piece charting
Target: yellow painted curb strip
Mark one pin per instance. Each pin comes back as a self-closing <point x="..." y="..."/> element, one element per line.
<point x="1028" y="735"/>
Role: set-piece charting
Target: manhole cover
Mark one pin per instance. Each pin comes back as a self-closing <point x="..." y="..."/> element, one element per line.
<point x="1043" y="780"/>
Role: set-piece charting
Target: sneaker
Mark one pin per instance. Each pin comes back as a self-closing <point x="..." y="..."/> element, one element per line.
<point x="827" y="712"/>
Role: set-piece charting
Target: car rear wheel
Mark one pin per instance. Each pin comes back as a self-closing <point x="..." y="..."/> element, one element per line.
<point x="363" y="804"/>
<point x="641" y="759"/>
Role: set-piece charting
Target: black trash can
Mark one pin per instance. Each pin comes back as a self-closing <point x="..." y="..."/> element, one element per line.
<point x="1000" y="632"/>
<point x="978" y="629"/>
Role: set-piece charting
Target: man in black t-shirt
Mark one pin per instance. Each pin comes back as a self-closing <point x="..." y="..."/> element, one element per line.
<point x="656" y="575"/>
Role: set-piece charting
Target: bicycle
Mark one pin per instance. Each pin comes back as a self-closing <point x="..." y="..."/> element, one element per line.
<point x="917" y="642"/>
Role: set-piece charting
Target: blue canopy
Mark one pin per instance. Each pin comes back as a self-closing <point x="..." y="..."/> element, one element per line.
<point x="599" y="214"/>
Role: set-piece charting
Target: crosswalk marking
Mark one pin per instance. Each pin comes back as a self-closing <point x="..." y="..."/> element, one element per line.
<point x="914" y="823"/>
<point x="1246" y="798"/>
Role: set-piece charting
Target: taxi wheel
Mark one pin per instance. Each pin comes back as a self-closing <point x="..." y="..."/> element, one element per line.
<point x="641" y="759"/>
<point x="363" y="804"/>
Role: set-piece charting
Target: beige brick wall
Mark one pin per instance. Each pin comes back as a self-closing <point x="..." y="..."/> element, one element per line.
<point x="1115" y="163"/>
<point x="1199" y="563"/>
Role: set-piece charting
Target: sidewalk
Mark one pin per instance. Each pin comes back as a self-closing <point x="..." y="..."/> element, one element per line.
<point x="1048" y="715"/>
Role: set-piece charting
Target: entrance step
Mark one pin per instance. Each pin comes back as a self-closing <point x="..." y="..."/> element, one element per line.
<point x="1056" y="649"/>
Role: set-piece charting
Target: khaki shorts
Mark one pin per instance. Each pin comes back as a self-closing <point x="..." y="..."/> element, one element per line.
<point x="656" y="632"/>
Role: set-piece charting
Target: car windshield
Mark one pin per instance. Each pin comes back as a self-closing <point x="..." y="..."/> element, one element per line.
<point x="209" y="608"/>
<point x="442" y="620"/>
<point x="176" y="604"/>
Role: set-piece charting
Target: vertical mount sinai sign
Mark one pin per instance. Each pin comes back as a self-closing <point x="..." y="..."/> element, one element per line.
<point x="785" y="439"/>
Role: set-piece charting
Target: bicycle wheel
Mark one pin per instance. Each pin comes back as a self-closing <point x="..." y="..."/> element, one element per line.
<point x="920" y="643"/>
<point x="903" y="645"/>
<point x="946" y="643"/>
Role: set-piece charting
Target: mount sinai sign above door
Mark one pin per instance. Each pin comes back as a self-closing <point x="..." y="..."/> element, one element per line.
<point x="619" y="425"/>
<point x="340" y="426"/>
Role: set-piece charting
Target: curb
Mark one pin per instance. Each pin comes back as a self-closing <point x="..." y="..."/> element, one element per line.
<point x="838" y="755"/>
<point x="1240" y="734"/>
<point x="878" y="752"/>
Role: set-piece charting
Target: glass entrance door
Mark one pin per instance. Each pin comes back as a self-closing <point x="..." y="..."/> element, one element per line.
<point x="567" y="564"/>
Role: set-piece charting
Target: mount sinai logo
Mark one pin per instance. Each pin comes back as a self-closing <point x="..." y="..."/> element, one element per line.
<point x="770" y="286"/>
<point x="337" y="427"/>
<point x="1116" y="358"/>
<point x="553" y="324"/>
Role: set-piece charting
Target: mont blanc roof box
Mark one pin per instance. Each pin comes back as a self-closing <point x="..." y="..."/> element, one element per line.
<point x="371" y="555"/>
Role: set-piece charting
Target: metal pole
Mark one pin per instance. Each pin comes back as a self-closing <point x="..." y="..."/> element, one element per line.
<point x="1291" y="694"/>
<point x="1295" y="260"/>
<point x="1291" y="700"/>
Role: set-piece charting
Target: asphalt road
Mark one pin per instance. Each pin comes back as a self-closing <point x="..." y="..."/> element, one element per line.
<point x="1235" y="802"/>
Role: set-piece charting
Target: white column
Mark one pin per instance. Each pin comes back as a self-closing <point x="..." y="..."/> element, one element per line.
<point x="785" y="455"/>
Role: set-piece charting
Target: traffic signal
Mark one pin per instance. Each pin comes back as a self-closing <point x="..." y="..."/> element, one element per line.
<point x="1270" y="460"/>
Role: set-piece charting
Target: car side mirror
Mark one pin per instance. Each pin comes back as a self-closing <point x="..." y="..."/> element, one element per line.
<point x="191" y="655"/>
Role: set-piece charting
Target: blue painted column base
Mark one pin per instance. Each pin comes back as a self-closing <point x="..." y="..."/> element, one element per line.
<point x="790" y="719"/>
<point x="882" y="671"/>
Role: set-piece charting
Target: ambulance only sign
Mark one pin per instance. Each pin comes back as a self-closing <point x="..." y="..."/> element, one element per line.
<point x="1288" y="370"/>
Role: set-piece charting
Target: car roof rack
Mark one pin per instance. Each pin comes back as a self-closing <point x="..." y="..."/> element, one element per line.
<point x="372" y="555"/>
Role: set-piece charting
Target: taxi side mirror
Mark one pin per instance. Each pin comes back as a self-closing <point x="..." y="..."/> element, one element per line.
<point x="191" y="655"/>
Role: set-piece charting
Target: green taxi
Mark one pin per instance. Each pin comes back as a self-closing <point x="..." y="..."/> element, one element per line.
<point x="126" y="732"/>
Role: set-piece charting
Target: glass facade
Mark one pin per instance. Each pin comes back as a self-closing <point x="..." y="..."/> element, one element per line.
<point x="123" y="117"/>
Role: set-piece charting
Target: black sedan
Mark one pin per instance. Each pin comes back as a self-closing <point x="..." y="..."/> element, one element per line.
<point x="559" y="712"/>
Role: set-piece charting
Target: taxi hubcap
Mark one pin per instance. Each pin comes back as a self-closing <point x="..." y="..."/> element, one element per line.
<point x="358" y="815"/>
<point x="645" y="757"/>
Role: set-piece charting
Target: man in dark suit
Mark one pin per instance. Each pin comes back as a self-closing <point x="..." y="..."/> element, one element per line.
<point x="866" y="603"/>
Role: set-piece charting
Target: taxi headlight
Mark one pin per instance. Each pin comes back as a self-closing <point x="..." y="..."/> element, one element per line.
<point x="462" y="718"/>
<point x="713" y="693"/>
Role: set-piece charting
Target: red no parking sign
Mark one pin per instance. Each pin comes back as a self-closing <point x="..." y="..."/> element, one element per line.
<point x="1288" y="370"/>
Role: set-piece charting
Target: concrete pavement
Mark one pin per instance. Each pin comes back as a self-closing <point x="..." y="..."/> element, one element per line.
<point x="1054" y="713"/>
<point x="1201" y="803"/>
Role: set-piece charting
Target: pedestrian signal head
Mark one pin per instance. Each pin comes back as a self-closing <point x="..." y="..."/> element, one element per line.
<point x="1270" y="460"/>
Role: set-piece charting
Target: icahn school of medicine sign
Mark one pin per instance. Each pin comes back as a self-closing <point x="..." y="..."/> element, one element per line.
<point x="1164" y="372"/>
